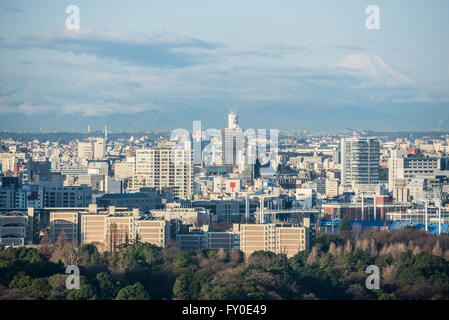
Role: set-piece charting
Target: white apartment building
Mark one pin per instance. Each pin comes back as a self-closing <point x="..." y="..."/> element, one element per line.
<point x="164" y="168"/>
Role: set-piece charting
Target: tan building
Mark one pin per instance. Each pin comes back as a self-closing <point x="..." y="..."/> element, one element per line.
<point x="123" y="170"/>
<point x="65" y="220"/>
<point x="286" y="240"/>
<point x="332" y="188"/>
<point x="154" y="231"/>
<point x="108" y="228"/>
<point x="400" y="190"/>
<point x="291" y="240"/>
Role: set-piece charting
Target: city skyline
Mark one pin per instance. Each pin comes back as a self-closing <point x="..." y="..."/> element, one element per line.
<point x="307" y="66"/>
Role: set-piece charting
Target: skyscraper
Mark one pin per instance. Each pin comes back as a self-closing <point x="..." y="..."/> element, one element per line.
<point x="359" y="161"/>
<point x="232" y="141"/>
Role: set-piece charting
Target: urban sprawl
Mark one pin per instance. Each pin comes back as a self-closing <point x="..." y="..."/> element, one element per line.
<point x="227" y="190"/>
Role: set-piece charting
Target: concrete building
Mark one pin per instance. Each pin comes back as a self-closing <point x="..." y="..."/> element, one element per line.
<point x="91" y="149"/>
<point x="195" y="216"/>
<point x="400" y="190"/>
<point x="7" y="197"/>
<point x="17" y="228"/>
<point x="367" y="210"/>
<point x="360" y="161"/>
<point x="124" y="170"/>
<point x="65" y="197"/>
<point x="214" y="240"/>
<point x="232" y="142"/>
<point x="288" y="240"/>
<point x="7" y="162"/>
<point x="409" y="164"/>
<point x="67" y="221"/>
<point x="145" y="200"/>
<point x="164" y="168"/>
<point x="108" y="228"/>
<point x="332" y="188"/>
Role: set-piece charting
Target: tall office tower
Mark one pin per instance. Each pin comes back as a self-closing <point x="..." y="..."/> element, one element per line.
<point x="408" y="164"/>
<point x="164" y="168"/>
<point x="232" y="141"/>
<point x="359" y="161"/>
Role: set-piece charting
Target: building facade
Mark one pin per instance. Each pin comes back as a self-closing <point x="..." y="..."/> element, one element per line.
<point x="288" y="240"/>
<point x="360" y="161"/>
<point x="164" y="168"/>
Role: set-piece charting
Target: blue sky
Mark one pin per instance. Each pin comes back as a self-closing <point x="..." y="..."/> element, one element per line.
<point x="281" y="64"/>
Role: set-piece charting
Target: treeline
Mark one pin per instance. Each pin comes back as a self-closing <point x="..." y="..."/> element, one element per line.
<point x="412" y="263"/>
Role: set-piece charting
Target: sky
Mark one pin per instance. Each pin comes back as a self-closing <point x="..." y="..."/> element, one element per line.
<point x="287" y="64"/>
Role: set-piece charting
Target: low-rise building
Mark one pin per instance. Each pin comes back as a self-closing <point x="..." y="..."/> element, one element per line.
<point x="107" y="228"/>
<point x="280" y="239"/>
<point x="17" y="227"/>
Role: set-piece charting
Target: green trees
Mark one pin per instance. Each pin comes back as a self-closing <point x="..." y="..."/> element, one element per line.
<point x="413" y="265"/>
<point x="85" y="292"/>
<point x="344" y="228"/>
<point x="133" y="292"/>
<point x="356" y="260"/>
<point x="141" y="254"/>
<point x="182" y="286"/>
<point x="107" y="287"/>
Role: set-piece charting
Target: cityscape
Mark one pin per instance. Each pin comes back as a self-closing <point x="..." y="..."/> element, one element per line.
<point x="114" y="187"/>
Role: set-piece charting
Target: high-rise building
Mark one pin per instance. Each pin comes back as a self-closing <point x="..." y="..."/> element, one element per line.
<point x="232" y="141"/>
<point x="164" y="168"/>
<point x="360" y="161"/>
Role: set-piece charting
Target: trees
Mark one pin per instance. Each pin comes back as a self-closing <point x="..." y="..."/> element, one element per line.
<point x="344" y="228"/>
<point x="181" y="286"/>
<point x="106" y="286"/>
<point x="133" y="292"/>
<point x="331" y="271"/>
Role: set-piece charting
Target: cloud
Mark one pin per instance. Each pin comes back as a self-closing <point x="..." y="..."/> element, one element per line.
<point x="96" y="109"/>
<point x="156" y="50"/>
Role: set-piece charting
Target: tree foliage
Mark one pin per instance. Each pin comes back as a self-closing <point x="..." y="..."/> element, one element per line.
<point x="413" y="265"/>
